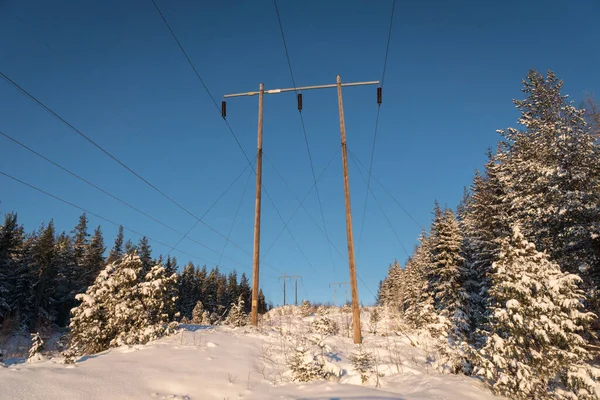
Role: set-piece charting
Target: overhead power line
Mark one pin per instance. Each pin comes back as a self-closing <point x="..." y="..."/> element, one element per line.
<point x="102" y="149"/>
<point x="386" y="190"/>
<point x="99" y="216"/>
<point x="387" y="50"/>
<point x="130" y="205"/>
<point x="381" y="209"/>
<point x="312" y="168"/>
<point x="219" y="110"/>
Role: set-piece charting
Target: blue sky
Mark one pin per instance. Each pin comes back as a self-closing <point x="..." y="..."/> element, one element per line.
<point x="112" y="70"/>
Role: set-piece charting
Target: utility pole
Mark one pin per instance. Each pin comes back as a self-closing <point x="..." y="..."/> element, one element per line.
<point x="335" y="291"/>
<point x="351" y="262"/>
<point x="285" y="277"/>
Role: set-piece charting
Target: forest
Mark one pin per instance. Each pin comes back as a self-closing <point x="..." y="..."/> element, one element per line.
<point x="510" y="278"/>
<point x="43" y="271"/>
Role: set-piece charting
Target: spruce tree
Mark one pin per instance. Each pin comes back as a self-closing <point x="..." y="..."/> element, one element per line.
<point x="552" y="170"/>
<point x="145" y="253"/>
<point x="122" y="307"/>
<point x="117" y="250"/>
<point x="451" y="299"/>
<point x="11" y="255"/>
<point x="44" y="272"/>
<point x="534" y="347"/>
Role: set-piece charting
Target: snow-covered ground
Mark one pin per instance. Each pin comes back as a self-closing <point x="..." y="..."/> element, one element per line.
<point x="242" y="363"/>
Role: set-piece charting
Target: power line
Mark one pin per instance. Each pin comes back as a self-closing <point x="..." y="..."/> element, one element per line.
<point x="126" y="203"/>
<point x="381" y="209"/>
<point x="312" y="168"/>
<point x="218" y="109"/>
<point x="386" y="190"/>
<point x="300" y="202"/>
<point x="235" y="216"/>
<point x="387" y="50"/>
<point x="102" y="149"/>
<point x="97" y="215"/>
<point x="202" y="82"/>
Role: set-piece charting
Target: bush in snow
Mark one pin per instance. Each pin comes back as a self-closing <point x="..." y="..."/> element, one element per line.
<point x="374" y="319"/>
<point x="69" y="356"/>
<point x="306" y="308"/>
<point x="198" y="314"/>
<point x="322" y="311"/>
<point x="37" y="346"/>
<point x="237" y="316"/>
<point x="306" y="366"/>
<point x="324" y="326"/>
<point x="533" y="347"/>
<point x="123" y="307"/>
<point x="363" y="362"/>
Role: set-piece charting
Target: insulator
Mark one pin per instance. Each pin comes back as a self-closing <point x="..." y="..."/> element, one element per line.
<point x="299" y="101"/>
<point x="379" y="95"/>
<point x="223" y="109"/>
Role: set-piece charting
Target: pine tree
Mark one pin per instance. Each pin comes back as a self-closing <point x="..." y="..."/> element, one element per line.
<point x="552" y="169"/>
<point x="37" y="346"/>
<point x="81" y="238"/>
<point x="534" y="347"/>
<point x="44" y="271"/>
<point x="449" y="275"/>
<point x="11" y="254"/>
<point x="484" y="222"/>
<point x="117" y="250"/>
<point x="246" y="292"/>
<point x="419" y="303"/>
<point x="198" y="313"/>
<point x="92" y="262"/>
<point x="171" y="265"/>
<point x="122" y="307"/>
<point x="237" y="317"/>
<point x="145" y="253"/>
<point x="66" y="268"/>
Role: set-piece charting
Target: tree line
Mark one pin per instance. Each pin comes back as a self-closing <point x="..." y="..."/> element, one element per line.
<point x="510" y="279"/>
<point x="41" y="273"/>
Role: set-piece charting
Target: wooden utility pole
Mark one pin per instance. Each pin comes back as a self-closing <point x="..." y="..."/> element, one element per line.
<point x="256" y="255"/>
<point x="286" y="277"/>
<point x="335" y="291"/>
<point x="352" y="265"/>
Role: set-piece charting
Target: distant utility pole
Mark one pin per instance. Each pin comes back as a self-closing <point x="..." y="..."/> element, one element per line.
<point x="351" y="263"/>
<point x="286" y="277"/>
<point x="335" y="285"/>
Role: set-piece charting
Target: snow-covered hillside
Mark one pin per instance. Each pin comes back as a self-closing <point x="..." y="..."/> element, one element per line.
<point x="240" y="363"/>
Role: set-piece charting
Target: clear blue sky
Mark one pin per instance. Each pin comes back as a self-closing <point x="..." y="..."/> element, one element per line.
<point x="112" y="69"/>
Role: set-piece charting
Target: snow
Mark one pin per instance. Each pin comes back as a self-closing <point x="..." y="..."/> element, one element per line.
<point x="228" y="363"/>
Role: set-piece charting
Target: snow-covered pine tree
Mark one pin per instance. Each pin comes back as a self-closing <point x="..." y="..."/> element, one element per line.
<point x="237" y="317"/>
<point x="305" y="308"/>
<point x="392" y="289"/>
<point x="534" y="347"/>
<point x="449" y="275"/>
<point x="419" y="308"/>
<point x="36" y="348"/>
<point x="121" y="307"/>
<point x="552" y="171"/>
<point x="92" y="261"/>
<point x="484" y="223"/>
<point x="197" y="313"/>
<point x="363" y="362"/>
